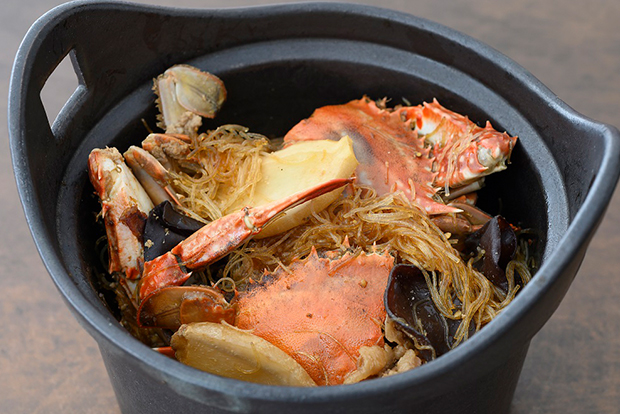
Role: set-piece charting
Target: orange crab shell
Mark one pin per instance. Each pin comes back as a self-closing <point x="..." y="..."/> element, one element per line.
<point x="414" y="149"/>
<point x="391" y="155"/>
<point x="321" y="311"/>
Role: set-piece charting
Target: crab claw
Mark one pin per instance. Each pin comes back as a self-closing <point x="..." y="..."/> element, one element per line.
<point x="218" y="238"/>
<point x="161" y="272"/>
<point x="464" y="151"/>
<point x="183" y="88"/>
<point x="151" y="174"/>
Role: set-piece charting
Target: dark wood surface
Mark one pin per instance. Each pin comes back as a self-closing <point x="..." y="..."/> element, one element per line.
<point x="49" y="364"/>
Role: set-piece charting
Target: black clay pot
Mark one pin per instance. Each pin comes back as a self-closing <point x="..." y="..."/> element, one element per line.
<point x="279" y="63"/>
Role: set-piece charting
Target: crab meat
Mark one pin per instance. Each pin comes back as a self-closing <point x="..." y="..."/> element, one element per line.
<point x="125" y="207"/>
<point x="417" y="150"/>
<point x="321" y="311"/>
<point x="168" y="148"/>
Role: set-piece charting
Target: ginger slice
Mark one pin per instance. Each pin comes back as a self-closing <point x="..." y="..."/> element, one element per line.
<point x="224" y="350"/>
<point x="294" y="169"/>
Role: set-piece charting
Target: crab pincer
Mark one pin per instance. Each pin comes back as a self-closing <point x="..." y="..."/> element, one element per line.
<point x="218" y="238"/>
<point x="464" y="152"/>
<point x="151" y="175"/>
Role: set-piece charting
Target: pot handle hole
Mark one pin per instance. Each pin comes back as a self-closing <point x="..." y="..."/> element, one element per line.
<point x="62" y="90"/>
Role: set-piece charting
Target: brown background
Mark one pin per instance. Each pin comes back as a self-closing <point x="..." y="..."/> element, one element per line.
<point x="48" y="364"/>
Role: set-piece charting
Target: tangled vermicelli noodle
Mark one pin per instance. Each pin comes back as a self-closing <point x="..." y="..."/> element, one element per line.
<point x="226" y="166"/>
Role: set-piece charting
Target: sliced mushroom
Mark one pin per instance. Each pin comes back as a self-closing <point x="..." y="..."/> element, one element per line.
<point x="409" y="304"/>
<point x="499" y="243"/>
<point x="165" y="228"/>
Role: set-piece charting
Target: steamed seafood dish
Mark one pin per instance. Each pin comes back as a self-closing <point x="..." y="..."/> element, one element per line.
<point x="351" y="248"/>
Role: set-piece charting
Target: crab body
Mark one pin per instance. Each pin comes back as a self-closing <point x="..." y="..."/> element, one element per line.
<point x="320" y="311"/>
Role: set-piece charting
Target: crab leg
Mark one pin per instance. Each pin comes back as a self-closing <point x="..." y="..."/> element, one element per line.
<point x="220" y="237"/>
<point x="125" y="207"/>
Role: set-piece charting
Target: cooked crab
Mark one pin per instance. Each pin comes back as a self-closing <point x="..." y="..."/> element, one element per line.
<point x="415" y="149"/>
<point x="322" y="311"/>
<point x="317" y="320"/>
<point x="125" y="206"/>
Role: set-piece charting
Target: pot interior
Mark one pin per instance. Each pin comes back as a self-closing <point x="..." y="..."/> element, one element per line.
<point x="272" y="86"/>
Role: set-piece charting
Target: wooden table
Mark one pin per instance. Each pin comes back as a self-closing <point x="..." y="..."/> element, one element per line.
<point x="50" y="364"/>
